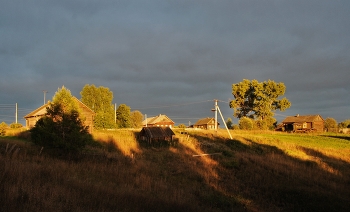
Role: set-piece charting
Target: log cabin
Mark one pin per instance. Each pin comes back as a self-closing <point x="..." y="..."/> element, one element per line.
<point x="303" y="123"/>
<point x="40" y="112"/>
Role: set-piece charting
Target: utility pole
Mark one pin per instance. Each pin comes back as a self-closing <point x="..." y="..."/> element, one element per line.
<point x="224" y="122"/>
<point x="115" y="112"/>
<point x="216" y="114"/>
<point x="16" y="113"/>
<point x="146" y="119"/>
<point x="45" y="91"/>
<point x="216" y="109"/>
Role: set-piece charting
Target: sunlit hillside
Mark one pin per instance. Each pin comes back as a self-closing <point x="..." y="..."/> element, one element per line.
<point x="199" y="171"/>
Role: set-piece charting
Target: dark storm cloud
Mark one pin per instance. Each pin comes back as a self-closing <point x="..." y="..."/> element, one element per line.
<point x="153" y="53"/>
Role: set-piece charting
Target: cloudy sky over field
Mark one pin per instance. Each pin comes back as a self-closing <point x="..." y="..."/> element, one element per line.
<point x="176" y="57"/>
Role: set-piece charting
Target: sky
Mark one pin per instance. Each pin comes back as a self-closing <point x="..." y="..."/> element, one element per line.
<point x="176" y="57"/>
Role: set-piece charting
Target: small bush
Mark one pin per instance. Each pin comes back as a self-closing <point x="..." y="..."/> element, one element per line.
<point x="246" y="123"/>
<point x="16" y="125"/>
<point x="3" y="127"/>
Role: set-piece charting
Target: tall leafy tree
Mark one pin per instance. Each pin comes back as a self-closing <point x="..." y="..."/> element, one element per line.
<point x="344" y="124"/>
<point x="123" y="116"/>
<point x="99" y="99"/>
<point x="64" y="97"/>
<point x="330" y="123"/>
<point x="258" y="100"/>
<point x="136" y="118"/>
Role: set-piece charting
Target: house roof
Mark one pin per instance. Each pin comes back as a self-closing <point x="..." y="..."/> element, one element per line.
<point x="204" y="121"/>
<point x="157" y="119"/>
<point x="156" y="132"/>
<point x="83" y="105"/>
<point x="38" y="112"/>
<point x="41" y="111"/>
<point x="301" y="119"/>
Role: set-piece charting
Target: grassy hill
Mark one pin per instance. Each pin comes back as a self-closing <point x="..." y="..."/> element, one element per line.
<point x="254" y="171"/>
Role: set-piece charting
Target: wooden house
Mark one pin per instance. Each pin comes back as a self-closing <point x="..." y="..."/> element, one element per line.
<point x="305" y="123"/>
<point x="158" y="121"/>
<point x="205" y="123"/>
<point x="35" y="115"/>
<point x="156" y="134"/>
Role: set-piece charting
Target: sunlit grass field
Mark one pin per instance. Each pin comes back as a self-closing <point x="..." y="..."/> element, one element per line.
<point x="200" y="171"/>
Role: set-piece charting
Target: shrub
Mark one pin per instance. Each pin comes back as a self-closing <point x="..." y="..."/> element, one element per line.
<point x="3" y="127"/>
<point x="344" y="124"/>
<point x="62" y="130"/>
<point x="16" y="125"/>
<point x="235" y="127"/>
<point x="260" y="125"/>
<point x="245" y="123"/>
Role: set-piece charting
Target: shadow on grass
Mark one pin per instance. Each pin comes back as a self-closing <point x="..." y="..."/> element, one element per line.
<point x="275" y="180"/>
<point x="344" y="137"/>
<point x="246" y="176"/>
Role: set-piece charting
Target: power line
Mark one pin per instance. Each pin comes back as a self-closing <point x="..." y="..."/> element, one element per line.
<point x="174" y="105"/>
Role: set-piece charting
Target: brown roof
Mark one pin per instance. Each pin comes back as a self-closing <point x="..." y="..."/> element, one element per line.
<point x="157" y="119"/>
<point x="156" y="132"/>
<point x="83" y="105"/>
<point x="41" y="111"/>
<point x="204" y="121"/>
<point x="301" y="119"/>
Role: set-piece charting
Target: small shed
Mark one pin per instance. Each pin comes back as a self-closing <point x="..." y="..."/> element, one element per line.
<point x="40" y="112"/>
<point x="156" y="133"/>
<point x="205" y="123"/>
<point x="304" y="123"/>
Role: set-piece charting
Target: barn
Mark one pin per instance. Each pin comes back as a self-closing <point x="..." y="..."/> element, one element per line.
<point x="151" y="134"/>
<point x="303" y="123"/>
<point x="35" y="115"/>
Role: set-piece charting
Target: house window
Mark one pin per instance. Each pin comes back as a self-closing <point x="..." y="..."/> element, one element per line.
<point x="304" y="125"/>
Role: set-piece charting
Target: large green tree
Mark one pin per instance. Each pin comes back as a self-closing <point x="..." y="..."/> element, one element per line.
<point x="330" y="123"/>
<point x="123" y="116"/>
<point x="64" y="97"/>
<point x="258" y="100"/>
<point x="136" y="119"/>
<point x="99" y="99"/>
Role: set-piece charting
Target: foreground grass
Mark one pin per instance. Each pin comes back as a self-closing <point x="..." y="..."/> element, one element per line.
<point x="252" y="172"/>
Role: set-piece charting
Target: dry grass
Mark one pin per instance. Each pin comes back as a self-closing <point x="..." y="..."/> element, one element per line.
<point x="256" y="171"/>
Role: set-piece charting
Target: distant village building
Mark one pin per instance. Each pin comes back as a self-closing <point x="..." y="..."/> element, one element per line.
<point x="303" y="123"/>
<point x="205" y="123"/>
<point x="40" y="112"/>
<point x="158" y="121"/>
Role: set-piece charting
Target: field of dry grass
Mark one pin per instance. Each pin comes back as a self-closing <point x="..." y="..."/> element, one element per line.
<point x="255" y="171"/>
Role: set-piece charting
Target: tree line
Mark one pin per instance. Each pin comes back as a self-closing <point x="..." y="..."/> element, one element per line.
<point x="100" y="100"/>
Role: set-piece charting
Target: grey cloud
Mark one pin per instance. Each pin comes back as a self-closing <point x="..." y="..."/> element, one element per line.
<point x="156" y="52"/>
